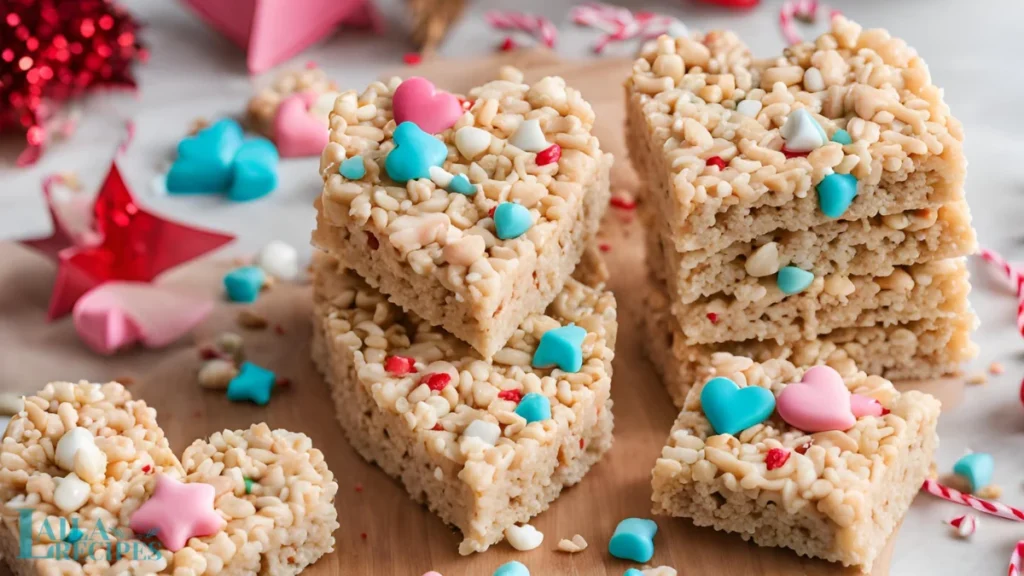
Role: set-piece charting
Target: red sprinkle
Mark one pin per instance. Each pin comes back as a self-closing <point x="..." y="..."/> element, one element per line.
<point x="802" y="449"/>
<point x="372" y="241"/>
<point x="437" y="427"/>
<point x="885" y="411"/>
<point x="208" y="353"/>
<point x="776" y="458"/>
<point x="509" y="44"/>
<point x="282" y="382"/>
<point x="279" y="329"/>
<point x="623" y="202"/>
<point x="790" y="154"/>
<point x="549" y="155"/>
<point x="363" y="535"/>
<point x="412" y="58"/>
<point x="716" y="161"/>
<point x="604" y="247"/>
<point x="399" y="365"/>
<point x="436" y="380"/>
<point x="512" y="395"/>
<point x="147" y="468"/>
<point x="581" y="443"/>
<point x="359" y="487"/>
<point x="713" y="317"/>
<point x="490" y="213"/>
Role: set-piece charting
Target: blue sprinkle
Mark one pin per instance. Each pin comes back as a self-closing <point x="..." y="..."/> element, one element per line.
<point x="633" y="540"/>
<point x="461" y="185"/>
<point x="255" y="170"/>
<point x="511" y="220"/>
<point x="561" y="347"/>
<point x="976" y="468"/>
<point x="244" y="284"/>
<point x="353" y="168"/>
<point x="843" y="137"/>
<point x="835" y="193"/>
<point x="512" y="569"/>
<point x="74" y="535"/>
<point x="253" y="383"/>
<point x="534" y="407"/>
<point x="792" y="280"/>
<point x="633" y="572"/>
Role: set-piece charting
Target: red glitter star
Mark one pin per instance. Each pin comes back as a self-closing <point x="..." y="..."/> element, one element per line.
<point x="135" y="246"/>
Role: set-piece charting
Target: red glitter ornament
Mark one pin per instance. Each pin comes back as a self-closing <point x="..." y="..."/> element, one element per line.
<point x="55" y="50"/>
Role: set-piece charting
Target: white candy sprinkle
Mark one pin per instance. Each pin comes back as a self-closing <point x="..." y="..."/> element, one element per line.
<point x="749" y="107"/>
<point x="441" y="177"/>
<point x="802" y="132"/>
<point x="489" y="432"/>
<point x="523" y="537"/>
<point x="280" y="260"/>
<point x="813" y="81"/>
<point x="91" y="463"/>
<point x="71" y="493"/>
<point x="529" y="137"/>
<point x="472" y="141"/>
<point x="69" y="444"/>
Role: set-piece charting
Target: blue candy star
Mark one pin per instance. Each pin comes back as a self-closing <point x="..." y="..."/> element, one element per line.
<point x="353" y="168"/>
<point x="511" y="220"/>
<point x="561" y="347"/>
<point x="253" y="384"/>
<point x="534" y="407"/>
<point x="414" y="153"/>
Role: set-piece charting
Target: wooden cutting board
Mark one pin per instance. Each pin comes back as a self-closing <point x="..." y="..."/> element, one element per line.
<point x="383" y="533"/>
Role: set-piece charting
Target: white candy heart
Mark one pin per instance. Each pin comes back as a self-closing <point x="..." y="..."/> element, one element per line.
<point x="280" y="260"/>
<point x="489" y="432"/>
<point x="69" y="444"/>
<point x="91" y="463"/>
<point x="802" y="132"/>
<point x="321" y="108"/>
<point x="523" y="537"/>
<point x="529" y="137"/>
<point x="749" y="107"/>
<point x="71" y="493"/>
<point x="472" y="141"/>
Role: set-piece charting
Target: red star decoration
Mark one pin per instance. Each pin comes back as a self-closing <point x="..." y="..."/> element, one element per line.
<point x="134" y="245"/>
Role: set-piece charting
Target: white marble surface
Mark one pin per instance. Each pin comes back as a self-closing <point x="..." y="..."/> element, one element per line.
<point x="968" y="45"/>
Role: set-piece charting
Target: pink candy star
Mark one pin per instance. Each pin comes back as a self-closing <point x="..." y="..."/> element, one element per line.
<point x="177" y="512"/>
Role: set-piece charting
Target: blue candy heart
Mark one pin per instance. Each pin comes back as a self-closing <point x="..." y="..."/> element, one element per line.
<point x="976" y="468"/>
<point x="835" y="193"/>
<point x="244" y="284"/>
<point x="792" y="280"/>
<point x="561" y="347"/>
<point x="512" y="569"/>
<point x="414" y="153"/>
<point x="353" y="168"/>
<point x="633" y="539"/>
<point x="534" y="407"/>
<point x="511" y="220"/>
<point x="462" y="185"/>
<point x="843" y="137"/>
<point x="253" y="383"/>
<point x="204" y="161"/>
<point x="255" y="170"/>
<point x="633" y="572"/>
<point x="731" y="409"/>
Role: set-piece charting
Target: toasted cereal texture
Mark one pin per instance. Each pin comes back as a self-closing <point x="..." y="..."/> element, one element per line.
<point x="435" y="253"/>
<point x="262" y="108"/>
<point x="416" y="432"/>
<point x="682" y="96"/>
<point x="839" y="500"/>
<point x="284" y="525"/>
<point x="919" y="350"/>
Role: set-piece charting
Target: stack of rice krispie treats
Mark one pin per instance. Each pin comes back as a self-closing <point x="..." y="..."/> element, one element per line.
<point x="467" y="353"/>
<point x="808" y="207"/>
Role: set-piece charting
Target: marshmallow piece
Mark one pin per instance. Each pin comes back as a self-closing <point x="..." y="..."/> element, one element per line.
<point x="802" y="132"/>
<point x="91" y="463"/>
<point x="472" y="141"/>
<point x="439" y="176"/>
<point x="322" y="106"/>
<point x="280" y="260"/>
<point x="529" y="137"/>
<point x="69" y="444"/>
<point x="71" y="494"/>
<point x="749" y="107"/>
<point x="489" y="432"/>
<point x="523" y="537"/>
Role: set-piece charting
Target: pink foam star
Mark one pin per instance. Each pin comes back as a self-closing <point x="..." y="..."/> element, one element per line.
<point x="176" y="512"/>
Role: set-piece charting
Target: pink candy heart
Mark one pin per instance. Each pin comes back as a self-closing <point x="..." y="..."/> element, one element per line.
<point x="417" y="100"/>
<point x="818" y="403"/>
<point x="865" y="406"/>
<point x="296" y="131"/>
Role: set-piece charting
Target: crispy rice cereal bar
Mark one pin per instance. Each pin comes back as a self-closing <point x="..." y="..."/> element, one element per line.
<point x="282" y="526"/>
<point x="838" y="498"/>
<point x="447" y="426"/>
<point x="436" y="253"/>
<point x="262" y="107"/>
<point x="683" y="99"/>
<point x="918" y="350"/>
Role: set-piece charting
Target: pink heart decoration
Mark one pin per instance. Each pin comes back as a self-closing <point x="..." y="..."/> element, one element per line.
<point x="416" y="100"/>
<point x="115" y="315"/>
<point x="865" y="406"/>
<point x="818" y="403"/>
<point x="296" y="131"/>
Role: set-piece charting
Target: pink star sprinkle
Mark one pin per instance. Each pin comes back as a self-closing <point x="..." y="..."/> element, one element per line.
<point x="176" y="512"/>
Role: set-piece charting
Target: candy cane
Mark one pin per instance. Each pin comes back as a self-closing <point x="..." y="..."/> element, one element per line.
<point x="1015" y="564"/>
<point x="537" y="26"/>
<point x="802" y="10"/>
<point x="619" y="24"/>
<point x="965" y="525"/>
<point x="981" y="505"/>
<point x="1011" y="273"/>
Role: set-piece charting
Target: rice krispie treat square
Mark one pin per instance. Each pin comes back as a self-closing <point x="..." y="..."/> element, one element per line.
<point x="470" y="213"/>
<point x="917" y="350"/>
<point x="484" y="444"/>
<point x="847" y="127"/>
<point x="89" y="485"/>
<point x="821" y="462"/>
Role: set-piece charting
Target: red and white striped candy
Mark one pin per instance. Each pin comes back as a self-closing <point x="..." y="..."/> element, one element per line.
<point x="619" y="24"/>
<point x="537" y="26"/>
<point x="1015" y="562"/>
<point x="799" y="9"/>
<point x="981" y="505"/>
<point x="1013" y="275"/>
<point x="965" y="525"/>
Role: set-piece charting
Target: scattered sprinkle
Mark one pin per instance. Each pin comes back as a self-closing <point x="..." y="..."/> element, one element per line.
<point x="713" y="317"/>
<point x="438" y="428"/>
<point x="776" y="458"/>
<point x="977" y="379"/>
<point x="964" y="526"/>
<point x="576" y="544"/>
<point x="412" y="58"/>
<point x="251" y="320"/>
<point x="359" y="487"/>
<point x="992" y="492"/>
<point x="803" y="448"/>
<point x="146" y="469"/>
<point x="549" y="155"/>
<point x="604" y="247"/>
<point x="399" y="365"/>
<point x="512" y="395"/>
<point x="248" y="484"/>
<point x="253" y="383"/>
<point x="508" y="45"/>
<point x="623" y="201"/>
<point x="716" y="161"/>
<point x="633" y="540"/>
<point x="278" y="329"/>
<point x="363" y="535"/>
<point x="523" y="538"/>
<point x="436" y="380"/>
<point x="996" y="368"/>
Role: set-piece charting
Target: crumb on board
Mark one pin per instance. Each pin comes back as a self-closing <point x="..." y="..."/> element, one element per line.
<point x="991" y="492"/>
<point x="977" y="378"/>
<point x="574" y="545"/>
<point x="251" y="320"/>
<point x="996" y="368"/>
